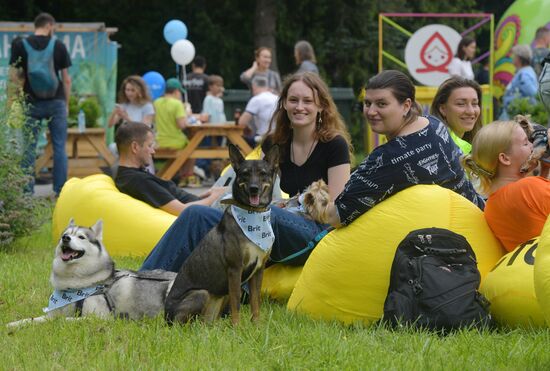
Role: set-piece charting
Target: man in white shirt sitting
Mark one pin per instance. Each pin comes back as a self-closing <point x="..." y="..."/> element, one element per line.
<point x="258" y="111"/>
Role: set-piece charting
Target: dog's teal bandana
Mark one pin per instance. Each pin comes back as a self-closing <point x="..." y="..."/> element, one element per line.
<point x="61" y="298"/>
<point x="256" y="226"/>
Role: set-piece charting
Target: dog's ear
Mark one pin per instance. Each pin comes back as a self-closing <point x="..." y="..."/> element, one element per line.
<point x="71" y="223"/>
<point x="235" y="156"/>
<point x="272" y="156"/>
<point x="97" y="228"/>
<point x="522" y="120"/>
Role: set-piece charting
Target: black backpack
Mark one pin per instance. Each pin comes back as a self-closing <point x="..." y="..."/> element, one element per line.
<point x="434" y="281"/>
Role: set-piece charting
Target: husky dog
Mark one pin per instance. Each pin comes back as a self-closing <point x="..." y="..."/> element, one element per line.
<point x="85" y="281"/>
<point x="233" y="252"/>
<point x="538" y="135"/>
<point x="311" y="204"/>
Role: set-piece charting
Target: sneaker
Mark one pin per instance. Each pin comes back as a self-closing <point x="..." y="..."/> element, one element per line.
<point x="199" y="172"/>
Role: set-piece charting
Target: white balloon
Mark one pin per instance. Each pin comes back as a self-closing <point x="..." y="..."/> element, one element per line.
<point x="183" y="52"/>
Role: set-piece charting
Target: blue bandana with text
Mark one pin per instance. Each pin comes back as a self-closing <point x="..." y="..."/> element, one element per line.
<point x="61" y="298"/>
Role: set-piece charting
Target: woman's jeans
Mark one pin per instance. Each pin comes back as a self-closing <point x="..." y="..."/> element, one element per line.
<point x="295" y="237"/>
<point x="55" y="111"/>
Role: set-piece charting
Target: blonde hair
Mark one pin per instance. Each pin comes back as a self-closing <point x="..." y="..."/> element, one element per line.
<point x="492" y="140"/>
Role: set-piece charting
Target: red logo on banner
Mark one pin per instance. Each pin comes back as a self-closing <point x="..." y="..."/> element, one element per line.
<point x="436" y="54"/>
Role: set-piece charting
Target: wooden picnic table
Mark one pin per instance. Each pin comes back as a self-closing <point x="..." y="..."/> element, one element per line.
<point x="86" y="152"/>
<point x="176" y="158"/>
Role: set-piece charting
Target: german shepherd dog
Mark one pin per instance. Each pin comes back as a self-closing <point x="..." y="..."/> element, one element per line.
<point x="85" y="281"/>
<point x="227" y="256"/>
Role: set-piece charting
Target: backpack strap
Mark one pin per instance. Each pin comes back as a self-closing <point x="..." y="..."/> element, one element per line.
<point x="49" y="47"/>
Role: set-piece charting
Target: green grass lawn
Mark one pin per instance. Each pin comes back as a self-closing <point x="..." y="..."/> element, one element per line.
<point x="282" y="340"/>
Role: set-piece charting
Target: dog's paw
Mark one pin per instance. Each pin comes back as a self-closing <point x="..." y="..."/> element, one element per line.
<point x="316" y="199"/>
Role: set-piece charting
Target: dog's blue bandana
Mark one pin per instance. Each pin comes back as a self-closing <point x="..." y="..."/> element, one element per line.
<point x="256" y="226"/>
<point x="61" y="298"/>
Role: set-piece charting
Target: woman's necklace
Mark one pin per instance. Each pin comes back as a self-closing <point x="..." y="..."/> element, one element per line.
<point x="293" y="158"/>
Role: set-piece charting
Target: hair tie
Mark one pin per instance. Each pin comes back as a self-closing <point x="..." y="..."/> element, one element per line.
<point x="478" y="169"/>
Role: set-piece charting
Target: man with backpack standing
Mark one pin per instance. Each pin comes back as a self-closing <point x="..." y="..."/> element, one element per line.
<point x="39" y="60"/>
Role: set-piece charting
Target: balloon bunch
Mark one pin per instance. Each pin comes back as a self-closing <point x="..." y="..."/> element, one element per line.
<point x="182" y="52"/>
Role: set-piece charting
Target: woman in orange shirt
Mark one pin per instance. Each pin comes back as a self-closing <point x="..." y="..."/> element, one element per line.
<point x="518" y="204"/>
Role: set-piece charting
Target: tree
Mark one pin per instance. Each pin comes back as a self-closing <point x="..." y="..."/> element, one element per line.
<point x="265" y="20"/>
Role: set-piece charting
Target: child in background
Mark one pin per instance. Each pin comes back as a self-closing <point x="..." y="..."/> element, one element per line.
<point x="213" y="103"/>
<point x="212" y="113"/>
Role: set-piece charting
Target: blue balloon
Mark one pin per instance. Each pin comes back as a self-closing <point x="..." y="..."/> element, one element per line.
<point x="156" y="84"/>
<point x="175" y="30"/>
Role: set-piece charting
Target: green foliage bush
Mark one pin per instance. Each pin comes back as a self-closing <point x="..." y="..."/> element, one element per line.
<point x="92" y="110"/>
<point x="72" y="118"/>
<point x="523" y="106"/>
<point x="18" y="210"/>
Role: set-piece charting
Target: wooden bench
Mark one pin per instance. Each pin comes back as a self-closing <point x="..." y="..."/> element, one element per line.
<point x="176" y="158"/>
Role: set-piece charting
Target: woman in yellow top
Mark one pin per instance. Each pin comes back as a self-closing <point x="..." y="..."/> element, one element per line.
<point x="458" y="104"/>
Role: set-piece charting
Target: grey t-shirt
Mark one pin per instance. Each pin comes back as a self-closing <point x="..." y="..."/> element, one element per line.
<point x="308" y="66"/>
<point x="138" y="113"/>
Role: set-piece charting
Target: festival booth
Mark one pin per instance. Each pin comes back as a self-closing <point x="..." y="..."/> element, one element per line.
<point x="93" y="55"/>
<point x="428" y="52"/>
<point x="93" y="74"/>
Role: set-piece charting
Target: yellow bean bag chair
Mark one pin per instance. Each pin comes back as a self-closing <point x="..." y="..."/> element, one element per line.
<point x="346" y="278"/>
<point x="279" y="281"/>
<point x="511" y="290"/>
<point x="130" y="226"/>
<point x="542" y="272"/>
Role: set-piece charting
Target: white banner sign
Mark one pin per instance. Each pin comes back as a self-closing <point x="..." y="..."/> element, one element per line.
<point x="429" y="52"/>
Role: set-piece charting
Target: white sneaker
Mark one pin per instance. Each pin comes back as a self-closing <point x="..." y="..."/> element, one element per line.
<point x="199" y="172"/>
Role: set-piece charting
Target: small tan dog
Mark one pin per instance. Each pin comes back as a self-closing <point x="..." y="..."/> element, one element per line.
<point x="312" y="203"/>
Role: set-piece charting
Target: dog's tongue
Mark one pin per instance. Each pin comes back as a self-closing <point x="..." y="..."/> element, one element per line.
<point x="68" y="255"/>
<point x="255" y="200"/>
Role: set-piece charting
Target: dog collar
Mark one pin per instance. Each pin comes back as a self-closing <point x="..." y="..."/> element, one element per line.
<point x="230" y="201"/>
<point x="256" y="226"/>
<point x="61" y="298"/>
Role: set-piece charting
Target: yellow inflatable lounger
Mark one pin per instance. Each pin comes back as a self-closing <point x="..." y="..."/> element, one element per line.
<point x="132" y="227"/>
<point x="346" y="278"/>
<point x="511" y="290"/>
<point x="542" y="272"/>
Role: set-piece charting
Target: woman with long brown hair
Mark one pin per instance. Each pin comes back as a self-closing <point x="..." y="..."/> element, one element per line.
<point x="313" y="144"/>
<point x="313" y="139"/>
<point x="134" y="103"/>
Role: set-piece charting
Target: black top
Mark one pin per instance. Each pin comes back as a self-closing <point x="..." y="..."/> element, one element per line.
<point x="61" y="58"/>
<point x="428" y="156"/>
<point x="295" y="179"/>
<point x="197" y="86"/>
<point x="149" y="188"/>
